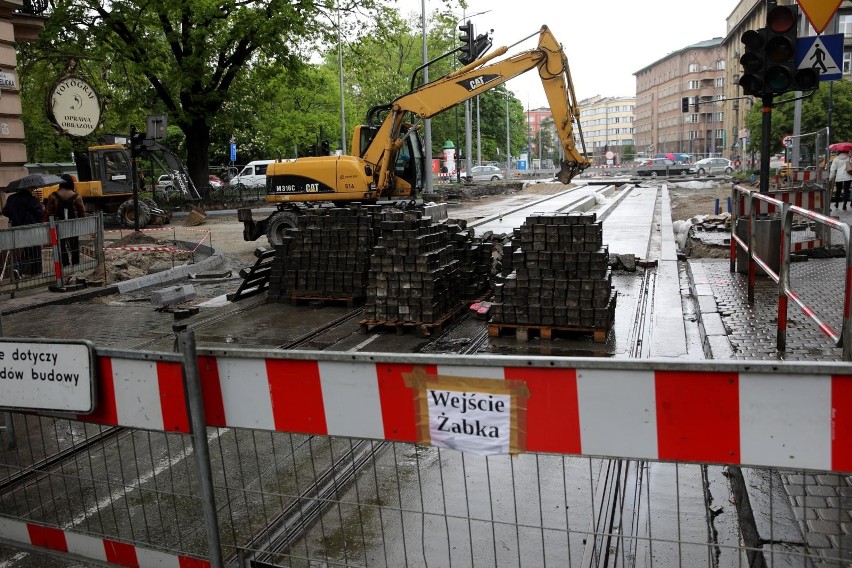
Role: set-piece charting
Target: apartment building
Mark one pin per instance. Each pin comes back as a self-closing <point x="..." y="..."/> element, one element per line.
<point x="698" y="73"/>
<point x="538" y="119"/>
<point x="607" y="125"/>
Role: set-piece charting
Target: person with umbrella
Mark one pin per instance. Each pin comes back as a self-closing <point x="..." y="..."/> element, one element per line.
<point x="24" y="208"/>
<point x="840" y="175"/>
<point x="64" y="203"/>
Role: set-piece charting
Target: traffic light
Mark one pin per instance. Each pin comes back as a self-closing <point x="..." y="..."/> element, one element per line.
<point x="684" y="104"/>
<point x="780" y="50"/>
<point x="468" y="49"/>
<point x="769" y="61"/>
<point x="480" y="45"/>
<point x="753" y="62"/>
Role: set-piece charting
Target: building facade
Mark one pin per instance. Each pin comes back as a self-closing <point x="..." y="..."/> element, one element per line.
<point x="696" y="73"/>
<point x="19" y="22"/>
<point x="608" y="128"/>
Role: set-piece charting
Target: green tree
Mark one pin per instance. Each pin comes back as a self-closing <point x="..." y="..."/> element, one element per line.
<point x="814" y="116"/>
<point x="188" y="53"/>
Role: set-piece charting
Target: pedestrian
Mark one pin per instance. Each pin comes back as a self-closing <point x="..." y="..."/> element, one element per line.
<point x="23" y="208"/>
<point x="65" y="203"/>
<point x="841" y="177"/>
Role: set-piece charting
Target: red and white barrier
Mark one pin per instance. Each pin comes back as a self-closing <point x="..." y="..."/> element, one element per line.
<point x="804" y="198"/>
<point x="735" y="416"/>
<point x="103" y="550"/>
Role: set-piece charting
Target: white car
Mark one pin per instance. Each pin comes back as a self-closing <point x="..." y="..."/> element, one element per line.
<point x="712" y="166"/>
<point x="165" y="183"/>
<point x="483" y="173"/>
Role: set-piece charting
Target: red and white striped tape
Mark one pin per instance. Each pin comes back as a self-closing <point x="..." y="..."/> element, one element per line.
<point x="103" y="550"/>
<point x="158" y="229"/>
<point x="147" y="248"/>
<point x="764" y="419"/>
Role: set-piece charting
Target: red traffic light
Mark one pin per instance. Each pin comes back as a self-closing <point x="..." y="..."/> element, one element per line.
<point x="781" y="19"/>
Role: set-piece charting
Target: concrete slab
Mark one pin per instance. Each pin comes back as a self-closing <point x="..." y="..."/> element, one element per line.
<point x="627" y="230"/>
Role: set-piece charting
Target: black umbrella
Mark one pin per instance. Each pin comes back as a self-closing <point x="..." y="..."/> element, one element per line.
<point x="32" y="181"/>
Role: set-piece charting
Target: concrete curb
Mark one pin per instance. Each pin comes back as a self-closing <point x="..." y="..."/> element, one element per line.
<point x="44" y="298"/>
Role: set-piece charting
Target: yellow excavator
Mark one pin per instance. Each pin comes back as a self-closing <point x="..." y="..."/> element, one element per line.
<point x="388" y="159"/>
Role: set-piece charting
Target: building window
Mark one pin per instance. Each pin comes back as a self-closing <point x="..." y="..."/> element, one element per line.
<point x="844" y="25"/>
<point x="693" y="135"/>
<point x="693" y="67"/>
<point x="693" y="84"/>
<point x="720" y="81"/>
<point x="720" y="65"/>
<point x="847" y="62"/>
<point x="720" y="133"/>
<point x="691" y="118"/>
<point x="720" y="116"/>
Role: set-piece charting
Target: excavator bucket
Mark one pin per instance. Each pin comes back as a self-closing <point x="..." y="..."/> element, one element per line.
<point x="567" y="172"/>
<point x="196" y="216"/>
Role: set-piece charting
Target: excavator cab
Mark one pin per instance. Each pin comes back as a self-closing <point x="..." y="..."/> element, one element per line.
<point x="112" y="167"/>
<point x="410" y="163"/>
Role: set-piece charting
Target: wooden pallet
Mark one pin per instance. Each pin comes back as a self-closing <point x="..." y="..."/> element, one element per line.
<point x="545" y="332"/>
<point x="316" y="300"/>
<point x="422" y="328"/>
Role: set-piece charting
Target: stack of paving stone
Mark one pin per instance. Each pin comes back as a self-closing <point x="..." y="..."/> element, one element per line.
<point x="413" y="273"/>
<point x="325" y="257"/>
<point x="474" y="260"/>
<point x="561" y="276"/>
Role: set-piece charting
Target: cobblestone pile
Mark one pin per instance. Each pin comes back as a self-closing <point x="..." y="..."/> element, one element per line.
<point x="561" y="275"/>
<point x="413" y="272"/>
<point x="326" y="256"/>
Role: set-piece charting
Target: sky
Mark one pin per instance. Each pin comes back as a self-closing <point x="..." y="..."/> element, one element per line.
<point x="606" y="41"/>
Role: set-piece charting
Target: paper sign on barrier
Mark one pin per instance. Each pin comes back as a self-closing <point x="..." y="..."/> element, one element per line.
<point x="477" y="416"/>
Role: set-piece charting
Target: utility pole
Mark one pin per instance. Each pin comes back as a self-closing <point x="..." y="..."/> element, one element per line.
<point x="508" y="137"/>
<point x="478" y="136"/>
<point x="427" y="128"/>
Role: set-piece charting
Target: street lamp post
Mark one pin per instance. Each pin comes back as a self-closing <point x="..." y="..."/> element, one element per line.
<point x="508" y="137"/>
<point x="340" y="73"/>
<point x="427" y="128"/>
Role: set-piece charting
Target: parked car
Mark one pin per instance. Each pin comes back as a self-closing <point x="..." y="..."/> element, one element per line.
<point x="164" y="183"/>
<point x="483" y="173"/>
<point x="214" y="181"/>
<point x="712" y="166"/>
<point x="661" y="167"/>
<point x="252" y="176"/>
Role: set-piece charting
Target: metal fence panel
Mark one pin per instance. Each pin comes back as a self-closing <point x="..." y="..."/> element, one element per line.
<point x="294" y="487"/>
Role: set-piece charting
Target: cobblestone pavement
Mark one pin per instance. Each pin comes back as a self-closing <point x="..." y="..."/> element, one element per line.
<point x="822" y="502"/>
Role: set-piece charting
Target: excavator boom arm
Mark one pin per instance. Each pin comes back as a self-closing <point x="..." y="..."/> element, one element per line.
<point x="480" y="76"/>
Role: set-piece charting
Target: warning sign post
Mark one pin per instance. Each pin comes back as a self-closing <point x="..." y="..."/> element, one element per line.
<point x="47" y="375"/>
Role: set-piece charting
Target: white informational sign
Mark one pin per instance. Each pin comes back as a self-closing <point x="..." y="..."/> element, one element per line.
<point x="8" y="80"/>
<point x="47" y="376"/>
<point x="74" y="107"/>
<point x="474" y="422"/>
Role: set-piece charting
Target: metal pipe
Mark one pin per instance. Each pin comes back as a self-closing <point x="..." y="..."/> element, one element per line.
<point x="192" y="380"/>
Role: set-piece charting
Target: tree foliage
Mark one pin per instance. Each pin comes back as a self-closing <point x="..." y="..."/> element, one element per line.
<point x="814" y="116"/>
<point x="263" y="73"/>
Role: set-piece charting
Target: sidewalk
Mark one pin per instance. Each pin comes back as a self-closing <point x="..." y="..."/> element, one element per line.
<point x="732" y="329"/>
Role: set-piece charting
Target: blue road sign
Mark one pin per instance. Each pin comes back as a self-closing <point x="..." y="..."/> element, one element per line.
<point x="233" y="152"/>
<point x="522" y="164"/>
<point x="824" y="53"/>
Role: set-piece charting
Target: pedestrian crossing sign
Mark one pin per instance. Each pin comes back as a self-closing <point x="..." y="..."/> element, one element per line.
<point x="823" y="53"/>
